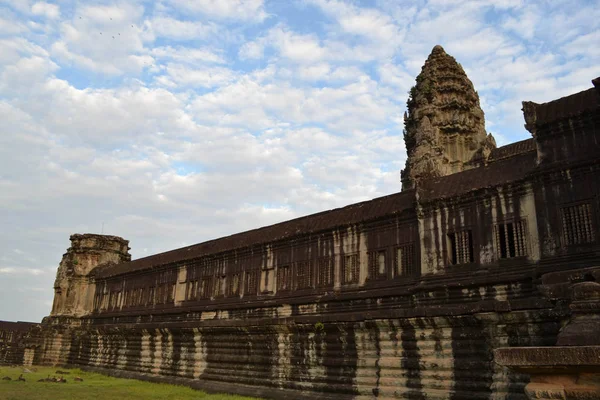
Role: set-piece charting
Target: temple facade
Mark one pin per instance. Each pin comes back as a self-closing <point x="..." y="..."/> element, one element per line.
<point x="402" y="296"/>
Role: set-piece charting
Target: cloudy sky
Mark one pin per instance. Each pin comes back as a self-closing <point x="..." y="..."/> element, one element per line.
<point x="172" y="122"/>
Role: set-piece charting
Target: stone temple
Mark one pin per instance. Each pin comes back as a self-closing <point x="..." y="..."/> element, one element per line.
<point x="479" y="280"/>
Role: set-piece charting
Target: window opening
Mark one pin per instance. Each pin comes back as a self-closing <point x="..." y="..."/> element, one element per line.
<point x="510" y="239"/>
<point x="461" y="245"/>
<point x="350" y="269"/>
<point x="577" y="224"/>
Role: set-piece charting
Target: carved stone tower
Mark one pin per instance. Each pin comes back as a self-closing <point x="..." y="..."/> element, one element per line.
<point x="73" y="289"/>
<point x="444" y="127"/>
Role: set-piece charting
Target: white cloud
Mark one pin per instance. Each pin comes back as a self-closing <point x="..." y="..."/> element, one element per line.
<point x="243" y="10"/>
<point x="47" y="10"/>
<point x="9" y="25"/>
<point x="206" y="77"/>
<point x="22" y="271"/>
<point x="367" y="22"/>
<point x="104" y="39"/>
<point x="180" y="30"/>
<point x="188" y="55"/>
<point x="295" y="47"/>
<point x="252" y="50"/>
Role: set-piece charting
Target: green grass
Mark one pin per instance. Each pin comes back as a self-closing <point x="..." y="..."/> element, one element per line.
<point x="94" y="386"/>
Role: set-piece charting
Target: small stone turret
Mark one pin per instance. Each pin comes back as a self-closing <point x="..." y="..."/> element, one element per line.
<point x="444" y="127"/>
<point x="73" y="288"/>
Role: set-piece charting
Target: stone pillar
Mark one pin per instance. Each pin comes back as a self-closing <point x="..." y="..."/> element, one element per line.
<point x="74" y="289"/>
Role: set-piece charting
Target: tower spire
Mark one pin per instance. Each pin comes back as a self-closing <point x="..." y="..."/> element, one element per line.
<point x="444" y="129"/>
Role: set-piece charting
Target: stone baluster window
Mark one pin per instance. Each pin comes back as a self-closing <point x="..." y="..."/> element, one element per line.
<point x="377" y="264"/>
<point x="404" y="260"/>
<point x="204" y="290"/>
<point x="111" y="297"/>
<point x="325" y="272"/>
<point x="151" y="295"/>
<point x="171" y="292"/>
<point x="577" y="224"/>
<point x="350" y="269"/>
<point x="510" y="239"/>
<point x="160" y="292"/>
<point x="461" y="247"/>
<point x="304" y="274"/>
<point x="192" y="290"/>
<point x="283" y="278"/>
<point x="233" y="288"/>
<point x="251" y="283"/>
<point x="219" y="286"/>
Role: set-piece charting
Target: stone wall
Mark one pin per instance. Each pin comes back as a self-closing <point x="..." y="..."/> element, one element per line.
<point x="12" y="341"/>
<point x="366" y="348"/>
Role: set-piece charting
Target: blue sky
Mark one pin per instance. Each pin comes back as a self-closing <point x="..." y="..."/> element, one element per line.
<point x="177" y="121"/>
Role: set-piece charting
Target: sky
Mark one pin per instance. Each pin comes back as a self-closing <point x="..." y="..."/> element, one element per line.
<point x="172" y="122"/>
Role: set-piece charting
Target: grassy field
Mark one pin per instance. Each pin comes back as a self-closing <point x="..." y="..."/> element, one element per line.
<point x="94" y="386"/>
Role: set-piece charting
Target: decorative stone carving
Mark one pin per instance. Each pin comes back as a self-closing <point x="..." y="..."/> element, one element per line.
<point x="445" y="126"/>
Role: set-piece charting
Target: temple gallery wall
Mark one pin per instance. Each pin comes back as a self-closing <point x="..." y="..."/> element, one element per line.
<point x="482" y="272"/>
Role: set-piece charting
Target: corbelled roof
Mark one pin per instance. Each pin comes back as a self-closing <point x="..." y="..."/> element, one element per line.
<point x="538" y="115"/>
<point x="512" y="149"/>
<point x="349" y="215"/>
<point x="506" y="170"/>
<point x="19" y="326"/>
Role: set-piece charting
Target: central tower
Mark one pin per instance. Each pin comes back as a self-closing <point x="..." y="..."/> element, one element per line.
<point x="444" y="128"/>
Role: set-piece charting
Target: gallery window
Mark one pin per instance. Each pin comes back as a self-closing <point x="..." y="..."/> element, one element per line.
<point x="218" y="288"/>
<point x="304" y="274"/>
<point x="151" y="295"/>
<point x="350" y="269"/>
<point x="460" y="247"/>
<point x="192" y="290"/>
<point x="377" y="264"/>
<point x="234" y="285"/>
<point x="325" y="272"/>
<point x="251" y="283"/>
<point x="510" y="239"/>
<point x="577" y="224"/>
<point x="283" y="278"/>
<point x="204" y="290"/>
<point x="404" y="260"/>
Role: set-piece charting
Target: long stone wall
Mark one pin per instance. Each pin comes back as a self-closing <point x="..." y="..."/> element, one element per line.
<point x="440" y="347"/>
<point x="425" y="357"/>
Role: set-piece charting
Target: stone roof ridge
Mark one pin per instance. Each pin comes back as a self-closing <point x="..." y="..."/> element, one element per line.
<point x="540" y="114"/>
<point x="512" y="149"/>
<point x="510" y="168"/>
<point x="313" y="223"/>
<point x="17" y="325"/>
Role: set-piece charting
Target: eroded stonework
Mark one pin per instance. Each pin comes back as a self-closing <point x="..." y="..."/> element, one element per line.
<point x="444" y="126"/>
<point x="73" y="294"/>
